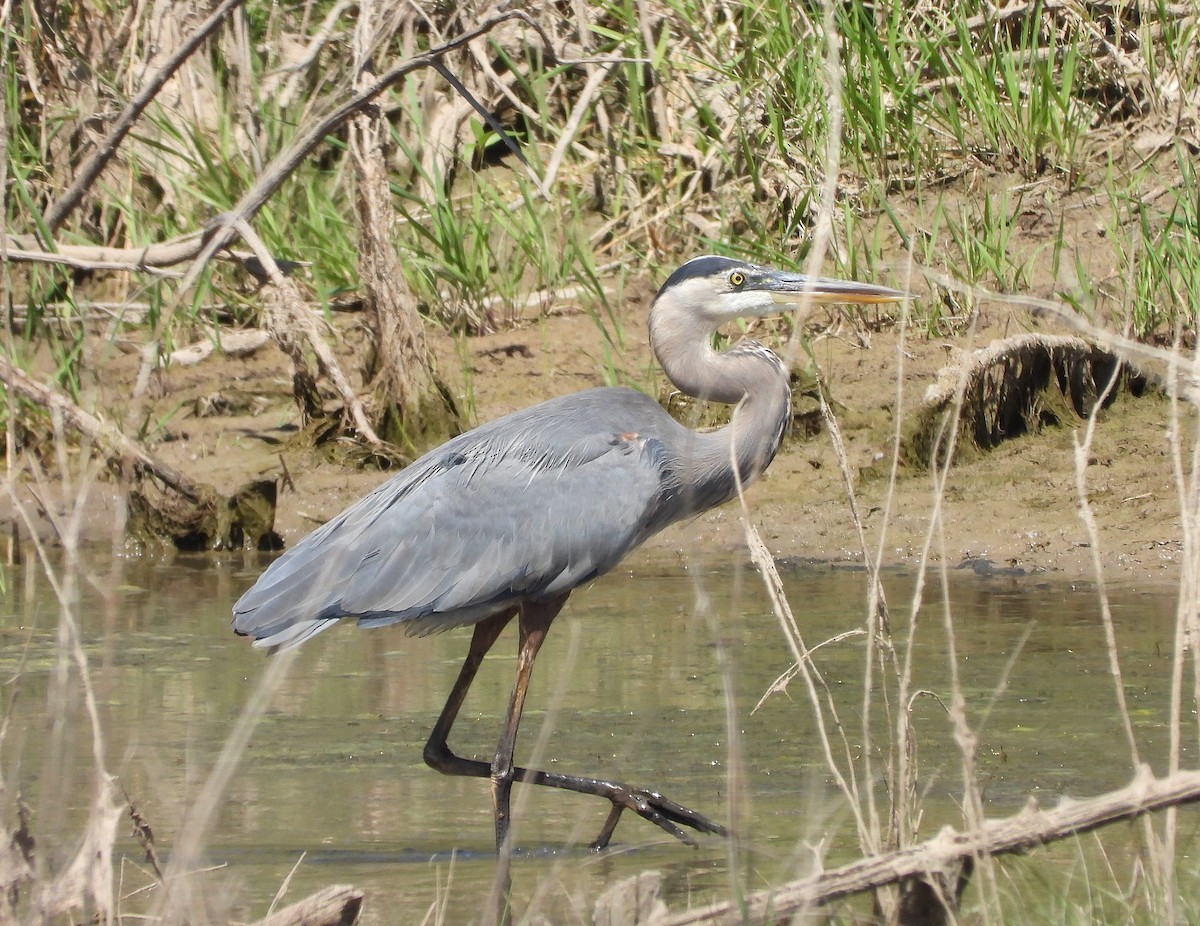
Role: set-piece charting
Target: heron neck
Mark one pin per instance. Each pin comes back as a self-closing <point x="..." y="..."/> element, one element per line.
<point x="748" y="376"/>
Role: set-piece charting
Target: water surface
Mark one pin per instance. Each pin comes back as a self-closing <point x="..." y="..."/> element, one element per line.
<point x="649" y="676"/>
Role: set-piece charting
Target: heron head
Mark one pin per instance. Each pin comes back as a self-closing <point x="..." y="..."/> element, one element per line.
<point x="716" y="290"/>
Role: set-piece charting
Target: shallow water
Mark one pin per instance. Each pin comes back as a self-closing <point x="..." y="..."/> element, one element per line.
<point x="636" y="682"/>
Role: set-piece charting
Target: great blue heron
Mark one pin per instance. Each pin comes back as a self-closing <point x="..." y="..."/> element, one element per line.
<point x="506" y="520"/>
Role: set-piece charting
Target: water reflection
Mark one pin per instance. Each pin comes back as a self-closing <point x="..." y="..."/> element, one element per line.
<point x="629" y="685"/>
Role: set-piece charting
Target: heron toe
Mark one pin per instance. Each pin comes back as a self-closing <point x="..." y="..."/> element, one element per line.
<point x="656" y="808"/>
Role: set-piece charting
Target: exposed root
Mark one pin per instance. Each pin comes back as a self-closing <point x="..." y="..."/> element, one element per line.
<point x="1015" y="386"/>
<point x="210" y="522"/>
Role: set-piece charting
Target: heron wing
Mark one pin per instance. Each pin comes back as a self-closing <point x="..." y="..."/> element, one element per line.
<point x="532" y="506"/>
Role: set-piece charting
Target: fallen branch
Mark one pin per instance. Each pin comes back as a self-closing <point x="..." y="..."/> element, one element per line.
<point x="1030" y="828"/>
<point x="149" y="259"/>
<point x="97" y="258"/>
<point x="230" y="343"/>
<point x="115" y="446"/>
<point x="197" y="516"/>
<point x="334" y="906"/>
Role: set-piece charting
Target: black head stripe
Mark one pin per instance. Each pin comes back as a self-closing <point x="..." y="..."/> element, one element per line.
<point x="702" y="267"/>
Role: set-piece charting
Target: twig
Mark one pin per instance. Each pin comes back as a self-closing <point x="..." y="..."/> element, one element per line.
<point x="320" y="39"/>
<point x="595" y="80"/>
<point x="103" y="153"/>
<point x="503" y="86"/>
<point x="1184" y="469"/>
<point x="492" y="123"/>
<point x="781" y="683"/>
<point x="287" y="882"/>
<point x="1083" y="452"/>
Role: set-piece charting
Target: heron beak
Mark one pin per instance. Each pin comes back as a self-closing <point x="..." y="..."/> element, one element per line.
<point x="796" y="288"/>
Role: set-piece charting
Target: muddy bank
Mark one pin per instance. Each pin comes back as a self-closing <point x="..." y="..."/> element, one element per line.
<point x="232" y="420"/>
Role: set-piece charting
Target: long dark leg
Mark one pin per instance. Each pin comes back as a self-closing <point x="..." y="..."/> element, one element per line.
<point x="535" y="621"/>
<point x="437" y="751"/>
<point x="648" y="804"/>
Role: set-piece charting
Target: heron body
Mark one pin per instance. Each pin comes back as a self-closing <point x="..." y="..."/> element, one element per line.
<point x="506" y="520"/>
<point x="528" y="506"/>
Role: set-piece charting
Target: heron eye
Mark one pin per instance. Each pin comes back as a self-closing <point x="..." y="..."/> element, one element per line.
<point x="737" y="278"/>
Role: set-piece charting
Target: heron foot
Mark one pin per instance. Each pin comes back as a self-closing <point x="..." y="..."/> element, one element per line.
<point x="659" y="810"/>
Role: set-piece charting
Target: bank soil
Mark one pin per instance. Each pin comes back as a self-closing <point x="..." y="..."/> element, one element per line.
<point x="1012" y="510"/>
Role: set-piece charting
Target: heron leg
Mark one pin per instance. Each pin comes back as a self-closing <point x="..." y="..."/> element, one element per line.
<point x="438" y="754"/>
<point x="535" y="621"/>
<point x="650" y="805"/>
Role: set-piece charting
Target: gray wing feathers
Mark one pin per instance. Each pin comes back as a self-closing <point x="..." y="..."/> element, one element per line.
<point x="493" y="517"/>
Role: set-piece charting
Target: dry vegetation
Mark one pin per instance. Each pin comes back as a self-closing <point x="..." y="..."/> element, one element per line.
<point x="357" y="179"/>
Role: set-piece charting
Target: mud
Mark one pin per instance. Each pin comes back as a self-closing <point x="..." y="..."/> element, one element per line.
<point x="229" y="421"/>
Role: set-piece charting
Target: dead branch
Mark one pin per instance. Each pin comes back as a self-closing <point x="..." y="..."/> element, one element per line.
<point x="104" y="152"/>
<point x="115" y="446"/>
<point x="151" y="259"/>
<point x="125" y="259"/>
<point x="1030" y="828"/>
<point x="196" y="516"/>
<point x="290" y="319"/>
<point x="334" y="906"/>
